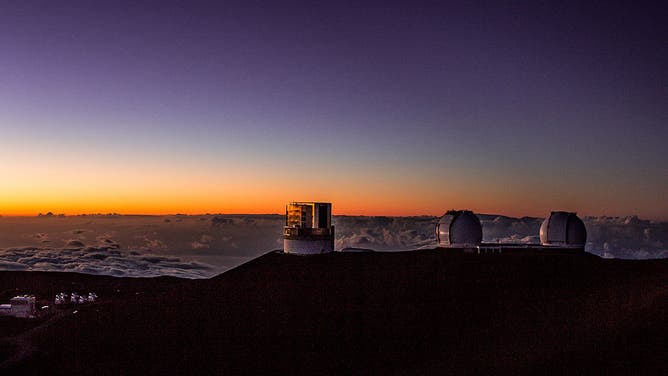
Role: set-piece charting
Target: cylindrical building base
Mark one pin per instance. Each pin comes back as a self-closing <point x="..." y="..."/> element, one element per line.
<point x="308" y="246"/>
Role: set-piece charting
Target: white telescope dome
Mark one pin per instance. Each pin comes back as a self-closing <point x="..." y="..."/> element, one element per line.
<point x="459" y="228"/>
<point x="563" y="228"/>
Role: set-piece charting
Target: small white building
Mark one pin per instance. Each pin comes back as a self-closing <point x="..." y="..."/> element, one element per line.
<point x="22" y="306"/>
<point x="61" y="298"/>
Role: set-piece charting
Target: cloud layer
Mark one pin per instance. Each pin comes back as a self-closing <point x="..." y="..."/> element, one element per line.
<point x="384" y="233"/>
<point x="202" y="246"/>
<point x="101" y="260"/>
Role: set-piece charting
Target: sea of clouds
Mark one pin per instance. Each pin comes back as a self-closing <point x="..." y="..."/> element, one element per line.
<point x="203" y="246"/>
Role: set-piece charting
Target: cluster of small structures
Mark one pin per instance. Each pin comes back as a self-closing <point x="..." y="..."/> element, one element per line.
<point x="22" y="306"/>
<point x="309" y="230"/>
<point x="75" y="298"/>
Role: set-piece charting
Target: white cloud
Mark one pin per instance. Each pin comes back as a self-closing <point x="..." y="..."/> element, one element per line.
<point x="101" y="260"/>
<point x="148" y="246"/>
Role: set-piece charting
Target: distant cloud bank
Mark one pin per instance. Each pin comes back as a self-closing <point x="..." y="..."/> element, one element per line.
<point x="202" y="246"/>
<point x="100" y="260"/>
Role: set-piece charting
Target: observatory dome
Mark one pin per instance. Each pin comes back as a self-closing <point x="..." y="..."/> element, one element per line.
<point x="563" y="228"/>
<point x="459" y="228"/>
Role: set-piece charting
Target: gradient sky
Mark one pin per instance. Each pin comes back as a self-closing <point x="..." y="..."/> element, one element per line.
<point x="516" y="108"/>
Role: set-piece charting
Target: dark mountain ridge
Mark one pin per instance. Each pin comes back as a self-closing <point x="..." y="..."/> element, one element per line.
<point x="403" y="312"/>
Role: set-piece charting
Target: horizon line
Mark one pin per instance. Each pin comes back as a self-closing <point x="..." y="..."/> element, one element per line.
<point x="62" y="215"/>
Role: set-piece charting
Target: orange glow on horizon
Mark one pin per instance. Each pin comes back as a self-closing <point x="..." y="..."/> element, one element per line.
<point x="169" y="204"/>
<point x="33" y="186"/>
<point x="233" y="203"/>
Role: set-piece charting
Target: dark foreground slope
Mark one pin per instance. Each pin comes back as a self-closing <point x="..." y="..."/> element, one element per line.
<point x="408" y="312"/>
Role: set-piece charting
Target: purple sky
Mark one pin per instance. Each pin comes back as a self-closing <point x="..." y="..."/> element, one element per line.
<point x="562" y="105"/>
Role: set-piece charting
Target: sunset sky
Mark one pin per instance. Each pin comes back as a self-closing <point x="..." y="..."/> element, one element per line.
<point x="160" y="107"/>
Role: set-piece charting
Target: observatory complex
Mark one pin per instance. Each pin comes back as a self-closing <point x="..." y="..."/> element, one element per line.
<point x="308" y="228"/>
<point x="561" y="232"/>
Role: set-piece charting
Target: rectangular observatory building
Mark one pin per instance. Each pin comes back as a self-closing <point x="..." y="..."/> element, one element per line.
<point x="308" y="228"/>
